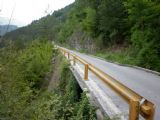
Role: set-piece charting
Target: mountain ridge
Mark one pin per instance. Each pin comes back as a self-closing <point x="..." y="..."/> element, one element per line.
<point x="5" y="21"/>
<point x="7" y="28"/>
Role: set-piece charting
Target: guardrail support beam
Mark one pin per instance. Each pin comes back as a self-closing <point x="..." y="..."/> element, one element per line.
<point x="86" y="72"/>
<point x="68" y="55"/>
<point x="146" y="109"/>
<point x="74" y="60"/>
<point x="64" y="53"/>
<point x="134" y="110"/>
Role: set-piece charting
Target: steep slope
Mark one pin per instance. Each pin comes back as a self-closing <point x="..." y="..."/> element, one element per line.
<point x="24" y="77"/>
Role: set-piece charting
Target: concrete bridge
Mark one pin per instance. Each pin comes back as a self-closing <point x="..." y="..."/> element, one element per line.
<point x="120" y="92"/>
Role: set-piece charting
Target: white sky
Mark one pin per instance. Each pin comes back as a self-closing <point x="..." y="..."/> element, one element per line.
<point x="28" y="10"/>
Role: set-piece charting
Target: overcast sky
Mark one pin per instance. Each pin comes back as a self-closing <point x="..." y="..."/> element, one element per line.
<point x="29" y="10"/>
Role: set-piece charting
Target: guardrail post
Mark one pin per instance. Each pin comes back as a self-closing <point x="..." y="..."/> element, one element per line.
<point x="68" y="55"/>
<point x="134" y="110"/>
<point x="86" y="72"/>
<point x="147" y="110"/>
<point x="64" y="53"/>
<point x="137" y="106"/>
<point x="74" y="60"/>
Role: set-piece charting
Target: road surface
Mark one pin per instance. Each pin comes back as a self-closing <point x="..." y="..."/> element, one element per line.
<point x="144" y="83"/>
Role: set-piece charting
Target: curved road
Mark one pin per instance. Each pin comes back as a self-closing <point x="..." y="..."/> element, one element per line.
<point x="145" y="83"/>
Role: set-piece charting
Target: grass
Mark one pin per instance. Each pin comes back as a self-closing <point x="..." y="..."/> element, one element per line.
<point x="121" y="55"/>
<point x="116" y="57"/>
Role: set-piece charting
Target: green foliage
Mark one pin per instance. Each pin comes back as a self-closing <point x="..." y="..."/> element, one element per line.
<point x="77" y="104"/>
<point x="89" y="23"/>
<point x="64" y="103"/>
<point x="143" y="13"/>
<point x="147" y="51"/>
<point x="20" y="75"/>
<point x="148" y="57"/>
<point x="143" y="22"/>
<point x="24" y="66"/>
<point x="46" y="107"/>
<point x="35" y="62"/>
<point x="145" y="30"/>
<point x="23" y="95"/>
<point x="123" y="56"/>
<point x="112" y="15"/>
<point x="84" y="111"/>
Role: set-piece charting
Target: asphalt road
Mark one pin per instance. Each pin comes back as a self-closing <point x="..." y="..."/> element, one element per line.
<point x="145" y="83"/>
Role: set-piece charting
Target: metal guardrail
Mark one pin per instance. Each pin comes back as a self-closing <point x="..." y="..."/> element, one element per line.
<point x="138" y="105"/>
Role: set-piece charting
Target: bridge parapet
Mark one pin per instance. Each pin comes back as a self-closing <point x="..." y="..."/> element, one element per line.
<point x="137" y="104"/>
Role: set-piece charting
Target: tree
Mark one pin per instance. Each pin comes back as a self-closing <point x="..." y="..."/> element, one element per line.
<point x="144" y="16"/>
<point x="89" y="23"/>
<point x="112" y="15"/>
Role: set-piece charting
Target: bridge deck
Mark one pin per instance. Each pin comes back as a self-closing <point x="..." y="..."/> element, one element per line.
<point x="140" y="81"/>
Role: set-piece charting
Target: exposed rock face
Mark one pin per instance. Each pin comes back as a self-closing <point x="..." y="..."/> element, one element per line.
<point x="81" y="41"/>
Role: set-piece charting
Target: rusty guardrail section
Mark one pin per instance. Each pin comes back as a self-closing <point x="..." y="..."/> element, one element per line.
<point x="137" y="104"/>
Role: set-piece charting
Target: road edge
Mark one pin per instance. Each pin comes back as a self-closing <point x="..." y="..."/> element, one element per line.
<point x="127" y="65"/>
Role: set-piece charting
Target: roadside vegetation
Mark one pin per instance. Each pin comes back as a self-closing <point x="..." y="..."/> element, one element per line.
<point x="124" y="31"/>
<point x="24" y="78"/>
<point x="120" y="55"/>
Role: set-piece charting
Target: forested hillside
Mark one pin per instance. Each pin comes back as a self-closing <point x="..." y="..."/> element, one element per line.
<point x="127" y="31"/>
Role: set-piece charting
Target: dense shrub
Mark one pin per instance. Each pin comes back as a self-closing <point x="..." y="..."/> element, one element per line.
<point x="23" y="95"/>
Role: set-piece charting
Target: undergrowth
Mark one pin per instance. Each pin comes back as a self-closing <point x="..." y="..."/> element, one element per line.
<point x="23" y="95"/>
